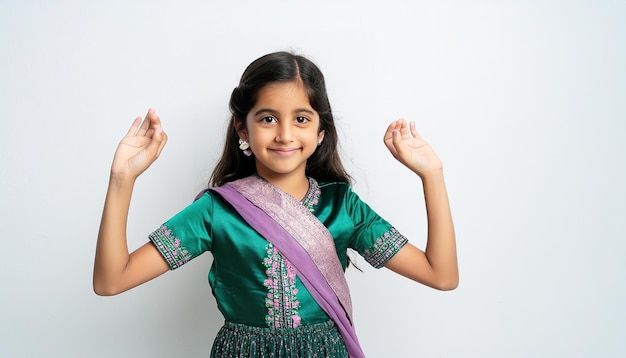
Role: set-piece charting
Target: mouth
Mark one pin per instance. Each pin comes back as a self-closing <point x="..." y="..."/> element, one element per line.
<point x="284" y="151"/>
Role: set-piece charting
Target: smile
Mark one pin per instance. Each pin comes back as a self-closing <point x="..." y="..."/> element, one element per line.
<point x="284" y="152"/>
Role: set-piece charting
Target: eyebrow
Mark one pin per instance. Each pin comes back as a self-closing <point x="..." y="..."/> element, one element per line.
<point x="275" y="112"/>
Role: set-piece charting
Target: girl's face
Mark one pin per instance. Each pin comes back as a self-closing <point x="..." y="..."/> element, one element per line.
<point x="283" y="130"/>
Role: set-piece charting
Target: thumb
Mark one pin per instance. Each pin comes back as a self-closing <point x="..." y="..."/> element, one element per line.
<point x="159" y="138"/>
<point x="395" y="143"/>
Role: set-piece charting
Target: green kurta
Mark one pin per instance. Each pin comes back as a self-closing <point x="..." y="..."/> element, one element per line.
<point x="252" y="283"/>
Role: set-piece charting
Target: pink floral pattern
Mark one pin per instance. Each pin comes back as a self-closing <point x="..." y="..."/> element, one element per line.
<point x="384" y="248"/>
<point x="312" y="197"/>
<point x="174" y="252"/>
<point x="282" y="300"/>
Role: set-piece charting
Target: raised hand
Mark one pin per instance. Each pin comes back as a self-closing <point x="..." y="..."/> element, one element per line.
<point x="141" y="146"/>
<point x="115" y="270"/>
<point x="410" y="149"/>
<point x="436" y="266"/>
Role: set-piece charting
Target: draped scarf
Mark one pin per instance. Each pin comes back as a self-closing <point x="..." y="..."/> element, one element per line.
<point x="303" y="240"/>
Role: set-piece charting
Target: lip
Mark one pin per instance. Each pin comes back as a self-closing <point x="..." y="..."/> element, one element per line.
<point x="284" y="151"/>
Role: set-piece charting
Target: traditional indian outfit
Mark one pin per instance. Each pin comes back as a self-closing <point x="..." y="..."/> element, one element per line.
<point x="268" y="310"/>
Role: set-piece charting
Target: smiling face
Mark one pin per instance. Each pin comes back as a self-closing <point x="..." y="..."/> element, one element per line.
<point x="283" y="131"/>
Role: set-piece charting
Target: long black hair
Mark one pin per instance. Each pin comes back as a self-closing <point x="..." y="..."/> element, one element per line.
<point x="324" y="164"/>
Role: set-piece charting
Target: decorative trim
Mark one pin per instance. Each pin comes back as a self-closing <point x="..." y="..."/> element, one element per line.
<point x="170" y="247"/>
<point x="385" y="247"/>
<point x="312" y="197"/>
<point x="282" y="300"/>
<point x="308" y="232"/>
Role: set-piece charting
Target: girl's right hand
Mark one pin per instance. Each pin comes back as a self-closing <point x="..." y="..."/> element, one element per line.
<point x="141" y="146"/>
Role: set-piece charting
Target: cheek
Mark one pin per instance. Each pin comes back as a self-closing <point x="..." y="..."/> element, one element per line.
<point x="312" y="141"/>
<point x="258" y="138"/>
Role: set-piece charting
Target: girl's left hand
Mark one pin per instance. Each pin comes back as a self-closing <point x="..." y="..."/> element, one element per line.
<point x="410" y="149"/>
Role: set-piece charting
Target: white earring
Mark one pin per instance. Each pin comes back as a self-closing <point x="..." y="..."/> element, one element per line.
<point x="245" y="147"/>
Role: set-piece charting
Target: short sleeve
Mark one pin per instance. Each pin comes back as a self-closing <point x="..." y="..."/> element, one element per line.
<point x="374" y="238"/>
<point x="187" y="234"/>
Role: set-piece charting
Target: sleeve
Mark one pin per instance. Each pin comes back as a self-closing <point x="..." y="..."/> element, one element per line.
<point x="187" y="234"/>
<point x="374" y="238"/>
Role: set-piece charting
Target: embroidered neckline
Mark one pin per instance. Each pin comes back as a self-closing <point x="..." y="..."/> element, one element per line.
<point x="312" y="197"/>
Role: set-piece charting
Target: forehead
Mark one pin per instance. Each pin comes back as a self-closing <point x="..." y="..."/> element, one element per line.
<point x="283" y="94"/>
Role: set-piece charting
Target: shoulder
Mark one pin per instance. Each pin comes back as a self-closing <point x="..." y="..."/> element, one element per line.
<point x="206" y="200"/>
<point x="210" y="197"/>
<point x="339" y="192"/>
<point x="208" y="207"/>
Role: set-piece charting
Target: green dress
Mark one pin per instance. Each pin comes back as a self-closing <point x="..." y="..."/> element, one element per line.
<point x="267" y="309"/>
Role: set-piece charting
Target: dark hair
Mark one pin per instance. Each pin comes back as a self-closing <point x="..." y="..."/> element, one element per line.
<point x="324" y="164"/>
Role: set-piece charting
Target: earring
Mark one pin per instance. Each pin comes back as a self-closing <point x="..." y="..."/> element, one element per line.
<point x="245" y="147"/>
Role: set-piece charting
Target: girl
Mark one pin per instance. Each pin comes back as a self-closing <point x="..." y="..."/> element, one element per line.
<point x="278" y="219"/>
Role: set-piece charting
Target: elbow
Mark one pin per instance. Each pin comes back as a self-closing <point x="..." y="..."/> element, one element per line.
<point x="446" y="283"/>
<point x="103" y="292"/>
<point x="448" y="286"/>
<point x="102" y="289"/>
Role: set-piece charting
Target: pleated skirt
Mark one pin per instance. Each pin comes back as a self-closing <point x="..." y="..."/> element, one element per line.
<point x="311" y="341"/>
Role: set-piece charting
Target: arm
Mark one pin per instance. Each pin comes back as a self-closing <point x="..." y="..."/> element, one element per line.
<point x="436" y="266"/>
<point x="115" y="270"/>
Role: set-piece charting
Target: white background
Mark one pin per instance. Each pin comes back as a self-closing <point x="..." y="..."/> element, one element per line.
<point x="525" y="102"/>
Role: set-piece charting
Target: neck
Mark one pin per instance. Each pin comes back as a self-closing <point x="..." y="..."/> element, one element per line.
<point x="296" y="185"/>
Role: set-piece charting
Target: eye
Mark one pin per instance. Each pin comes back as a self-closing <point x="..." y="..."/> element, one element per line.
<point x="268" y="119"/>
<point x="302" y="120"/>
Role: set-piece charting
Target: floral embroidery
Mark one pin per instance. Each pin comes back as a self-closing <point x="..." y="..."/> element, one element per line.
<point x="281" y="301"/>
<point x="384" y="248"/>
<point x="312" y="197"/>
<point x="170" y="247"/>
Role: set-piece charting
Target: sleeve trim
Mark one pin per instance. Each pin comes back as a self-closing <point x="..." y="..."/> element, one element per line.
<point x="169" y="245"/>
<point x="385" y="247"/>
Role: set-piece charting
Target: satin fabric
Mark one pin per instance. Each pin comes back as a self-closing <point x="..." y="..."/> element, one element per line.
<point x="303" y="240"/>
<point x="237" y="274"/>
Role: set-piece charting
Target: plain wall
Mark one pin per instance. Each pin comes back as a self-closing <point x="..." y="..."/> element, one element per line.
<point x="525" y="102"/>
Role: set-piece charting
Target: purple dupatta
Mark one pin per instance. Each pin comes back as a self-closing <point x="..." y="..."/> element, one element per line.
<point x="303" y="240"/>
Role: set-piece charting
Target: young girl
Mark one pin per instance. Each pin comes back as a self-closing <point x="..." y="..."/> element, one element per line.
<point x="278" y="219"/>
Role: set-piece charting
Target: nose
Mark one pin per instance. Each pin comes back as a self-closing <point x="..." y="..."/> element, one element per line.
<point x="284" y="133"/>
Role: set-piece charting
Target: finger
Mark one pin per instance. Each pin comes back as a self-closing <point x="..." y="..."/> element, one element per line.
<point x="155" y="121"/>
<point x="147" y="123"/>
<point x="389" y="132"/>
<point x="396" y="139"/>
<point x="416" y="134"/>
<point x="393" y="144"/>
<point x="404" y="129"/>
<point x="157" y="143"/>
<point x="388" y="138"/>
<point x="133" y="128"/>
<point x="413" y="130"/>
<point x="163" y="141"/>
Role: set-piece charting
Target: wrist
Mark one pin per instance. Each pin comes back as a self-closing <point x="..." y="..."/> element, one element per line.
<point x="121" y="180"/>
<point x="431" y="175"/>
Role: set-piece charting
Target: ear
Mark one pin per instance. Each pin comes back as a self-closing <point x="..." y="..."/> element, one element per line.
<point x="320" y="137"/>
<point x="241" y="130"/>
